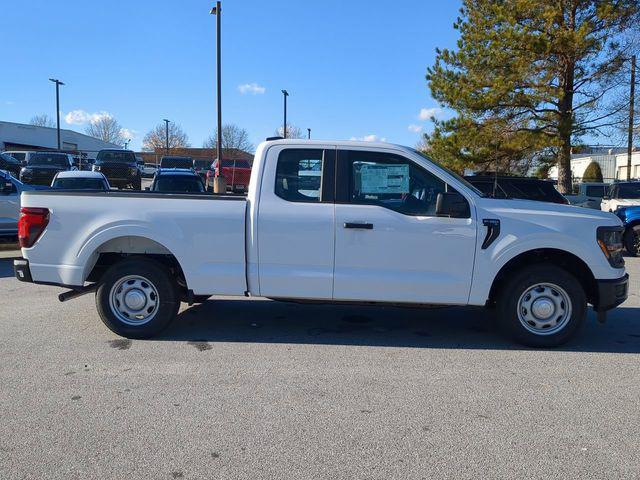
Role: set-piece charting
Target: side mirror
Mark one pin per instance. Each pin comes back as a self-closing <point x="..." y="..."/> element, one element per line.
<point x="452" y="205"/>
<point x="147" y="188"/>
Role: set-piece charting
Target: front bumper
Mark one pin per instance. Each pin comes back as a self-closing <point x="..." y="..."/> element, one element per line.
<point x="612" y="293"/>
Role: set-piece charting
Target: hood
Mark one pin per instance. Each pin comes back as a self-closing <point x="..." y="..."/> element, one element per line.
<point x="549" y="213"/>
<point x="627" y="201"/>
<point x="45" y="168"/>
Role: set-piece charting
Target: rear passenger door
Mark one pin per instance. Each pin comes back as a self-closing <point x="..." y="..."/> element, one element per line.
<point x="296" y="223"/>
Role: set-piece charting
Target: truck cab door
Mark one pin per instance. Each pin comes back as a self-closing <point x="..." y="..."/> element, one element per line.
<point x="390" y="245"/>
<point x="296" y="222"/>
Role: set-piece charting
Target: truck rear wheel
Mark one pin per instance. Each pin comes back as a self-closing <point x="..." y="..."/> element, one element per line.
<point x="542" y="306"/>
<point x="632" y="240"/>
<point x="137" y="298"/>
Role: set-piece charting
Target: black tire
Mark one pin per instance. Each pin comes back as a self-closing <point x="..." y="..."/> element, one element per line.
<point x="632" y="240"/>
<point x="520" y="283"/>
<point x="158" y="279"/>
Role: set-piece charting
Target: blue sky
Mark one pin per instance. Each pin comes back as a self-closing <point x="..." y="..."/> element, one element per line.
<point x="354" y="68"/>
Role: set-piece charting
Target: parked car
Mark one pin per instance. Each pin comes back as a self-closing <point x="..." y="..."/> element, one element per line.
<point x="120" y="168"/>
<point x="236" y="172"/>
<point x="10" y="190"/>
<point x="21" y="155"/>
<point x="517" y="187"/>
<point x="175" y="161"/>
<point x="174" y="180"/>
<point x="384" y="225"/>
<point x="41" y="167"/>
<point x="630" y="217"/>
<point x="621" y="194"/>
<point x="589" y="195"/>
<point x="149" y="170"/>
<point x="10" y="164"/>
<point x="201" y="167"/>
<point x="140" y="164"/>
<point x="80" y="180"/>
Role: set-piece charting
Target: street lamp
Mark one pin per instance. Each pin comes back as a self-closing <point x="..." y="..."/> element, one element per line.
<point x="126" y="143"/>
<point x="284" y="127"/>
<point x="166" y="134"/>
<point x="58" y="83"/>
<point x="219" y="182"/>
<point x="308" y="133"/>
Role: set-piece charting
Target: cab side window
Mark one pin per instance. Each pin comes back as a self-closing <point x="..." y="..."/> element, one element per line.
<point x="393" y="182"/>
<point x="299" y="175"/>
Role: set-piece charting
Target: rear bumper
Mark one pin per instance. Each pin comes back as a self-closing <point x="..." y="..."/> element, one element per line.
<point x="612" y="293"/>
<point x="22" y="271"/>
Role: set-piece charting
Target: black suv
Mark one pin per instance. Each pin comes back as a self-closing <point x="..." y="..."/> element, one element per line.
<point x="120" y="168"/>
<point x="525" y="188"/>
<point x="43" y="166"/>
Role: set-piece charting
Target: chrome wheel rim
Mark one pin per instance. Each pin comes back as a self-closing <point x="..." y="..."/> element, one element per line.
<point x="134" y="300"/>
<point x="544" y="309"/>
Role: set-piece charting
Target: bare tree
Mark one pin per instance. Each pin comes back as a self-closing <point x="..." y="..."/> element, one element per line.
<point x="292" y="131"/>
<point x="43" y="120"/>
<point x="107" y="129"/>
<point x="156" y="138"/>
<point x="233" y="138"/>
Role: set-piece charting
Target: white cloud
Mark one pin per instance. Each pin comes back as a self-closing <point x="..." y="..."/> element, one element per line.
<point x="415" y="128"/>
<point x="427" y="113"/>
<point x="252" y="88"/>
<point x="81" y="117"/>
<point x="369" y="138"/>
<point x="128" y="134"/>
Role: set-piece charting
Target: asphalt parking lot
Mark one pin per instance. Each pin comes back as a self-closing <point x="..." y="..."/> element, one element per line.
<point x="259" y="389"/>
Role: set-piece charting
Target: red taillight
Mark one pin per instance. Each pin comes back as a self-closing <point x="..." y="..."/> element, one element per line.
<point x="32" y="223"/>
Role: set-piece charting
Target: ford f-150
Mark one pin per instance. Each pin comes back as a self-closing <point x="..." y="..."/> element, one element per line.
<point x="328" y="222"/>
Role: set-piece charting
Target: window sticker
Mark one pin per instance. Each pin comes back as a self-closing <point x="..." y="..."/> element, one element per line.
<point x="376" y="179"/>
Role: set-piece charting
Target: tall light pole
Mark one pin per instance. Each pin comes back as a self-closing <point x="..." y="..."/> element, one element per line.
<point x="285" y="94"/>
<point x="308" y="133"/>
<point x="126" y="143"/>
<point x="219" y="182"/>
<point x="632" y="89"/>
<point x="166" y="134"/>
<point x="58" y="83"/>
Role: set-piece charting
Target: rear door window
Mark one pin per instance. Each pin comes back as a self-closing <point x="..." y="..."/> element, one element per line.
<point x="597" y="191"/>
<point x="299" y="175"/>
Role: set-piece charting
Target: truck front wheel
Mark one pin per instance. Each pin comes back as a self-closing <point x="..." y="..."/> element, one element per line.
<point x="541" y="306"/>
<point x="137" y="298"/>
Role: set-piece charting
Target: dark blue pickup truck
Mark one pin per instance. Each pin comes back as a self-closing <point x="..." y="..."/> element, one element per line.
<point x="630" y="216"/>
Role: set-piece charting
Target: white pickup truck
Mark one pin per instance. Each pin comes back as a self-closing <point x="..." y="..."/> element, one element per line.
<point x="328" y="222"/>
<point x="621" y="194"/>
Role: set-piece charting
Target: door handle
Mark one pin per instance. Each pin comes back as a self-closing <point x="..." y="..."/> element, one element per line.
<point x="363" y="226"/>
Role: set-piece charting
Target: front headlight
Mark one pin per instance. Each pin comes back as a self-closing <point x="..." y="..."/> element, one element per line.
<point x="95" y="168"/>
<point x="610" y="242"/>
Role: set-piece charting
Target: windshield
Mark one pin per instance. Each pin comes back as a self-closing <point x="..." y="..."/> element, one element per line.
<point x="176" y="162"/>
<point x="201" y="164"/>
<point x="178" y="184"/>
<point x="79" y="183"/>
<point x="450" y="172"/>
<point x="629" y="190"/>
<point x="532" y="190"/>
<point x="20" y="156"/>
<point x="238" y="163"/>
<point x="116" y="157"/>
<point x="48" y="160"/>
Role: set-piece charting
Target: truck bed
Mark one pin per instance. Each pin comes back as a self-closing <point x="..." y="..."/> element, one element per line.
<point x="204" y="232"/>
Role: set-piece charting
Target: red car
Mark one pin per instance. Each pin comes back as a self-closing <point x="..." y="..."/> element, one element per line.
<point x="236" y="173"/>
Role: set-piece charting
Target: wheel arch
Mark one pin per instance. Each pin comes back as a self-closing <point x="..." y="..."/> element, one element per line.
<point x="117" y="248"/>
<point x="561" y="258"/>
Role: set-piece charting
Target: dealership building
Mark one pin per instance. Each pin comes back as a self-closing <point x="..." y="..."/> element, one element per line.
<point x="612" y="161"/>
<point x="20" y="136"/>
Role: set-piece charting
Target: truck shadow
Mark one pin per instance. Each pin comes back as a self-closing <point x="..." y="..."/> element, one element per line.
<point x="263" y="321"/>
